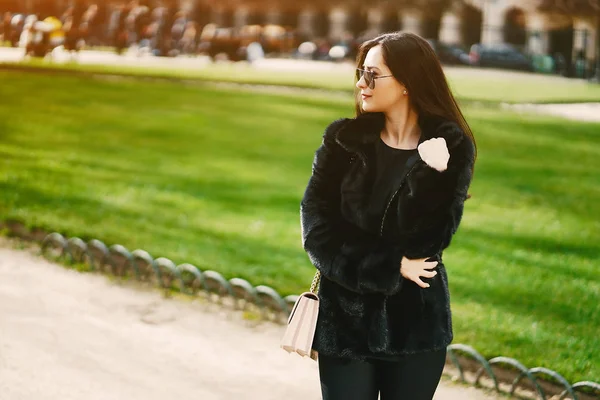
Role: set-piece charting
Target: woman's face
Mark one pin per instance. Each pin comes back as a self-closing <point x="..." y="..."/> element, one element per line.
<point x="387" y="93"/>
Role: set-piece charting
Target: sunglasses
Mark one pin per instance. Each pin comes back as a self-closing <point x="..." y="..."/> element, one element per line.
<point x="369" y="77"/>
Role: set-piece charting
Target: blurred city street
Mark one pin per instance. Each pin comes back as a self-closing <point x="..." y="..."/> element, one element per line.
<point x="68" y="336"/>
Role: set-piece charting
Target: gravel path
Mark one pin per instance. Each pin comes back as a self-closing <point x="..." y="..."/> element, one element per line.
<point x="65" y="335"/>
<point x="586" y="112"/>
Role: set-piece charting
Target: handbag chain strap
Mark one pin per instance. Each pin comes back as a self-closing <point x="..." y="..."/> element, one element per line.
<point x="315" y="282"/>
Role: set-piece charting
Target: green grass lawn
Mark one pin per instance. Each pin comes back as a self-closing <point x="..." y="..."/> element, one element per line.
<point x="468" y="84"/>
<point x="214" y="177"/>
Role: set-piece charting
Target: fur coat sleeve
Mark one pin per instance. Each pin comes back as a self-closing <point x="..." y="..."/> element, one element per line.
<point x="341" y="251"/>
<point x="430" y="214"/>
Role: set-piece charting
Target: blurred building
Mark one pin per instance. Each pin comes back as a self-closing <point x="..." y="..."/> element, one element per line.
<point x="463" y="22"/>
<point x="466" y="22"/>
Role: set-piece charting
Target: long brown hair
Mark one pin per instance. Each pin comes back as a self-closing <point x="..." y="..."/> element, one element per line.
<point x="413" y="62"/>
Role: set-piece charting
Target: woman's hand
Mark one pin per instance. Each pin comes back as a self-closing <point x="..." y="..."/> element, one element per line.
<point x="417" y="268"/>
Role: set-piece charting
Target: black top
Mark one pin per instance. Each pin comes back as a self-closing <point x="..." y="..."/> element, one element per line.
<point x="388" y="172"/>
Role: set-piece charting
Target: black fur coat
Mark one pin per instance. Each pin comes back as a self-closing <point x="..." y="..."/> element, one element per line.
<point x="367" y="308"/>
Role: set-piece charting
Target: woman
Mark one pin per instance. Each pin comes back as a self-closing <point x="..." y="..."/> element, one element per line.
<point x="385" y="197"/>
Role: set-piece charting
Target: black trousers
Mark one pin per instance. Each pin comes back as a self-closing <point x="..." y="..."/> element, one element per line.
<point x="415" y="377"/>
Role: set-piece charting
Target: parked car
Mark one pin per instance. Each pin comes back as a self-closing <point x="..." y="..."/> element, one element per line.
<point x="451" y="54"/>
<point x="215" y="40"/>
<point x="500" y="55"/>
<point x="233" y="42"/>
<point x="278" y="39"/>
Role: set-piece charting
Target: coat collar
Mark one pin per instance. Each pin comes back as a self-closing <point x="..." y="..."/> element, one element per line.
<point x="366" y="128"/>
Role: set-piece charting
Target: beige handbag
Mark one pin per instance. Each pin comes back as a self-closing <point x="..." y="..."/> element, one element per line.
<point x="301" y="325"/>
